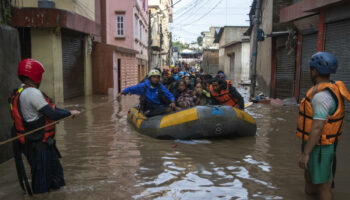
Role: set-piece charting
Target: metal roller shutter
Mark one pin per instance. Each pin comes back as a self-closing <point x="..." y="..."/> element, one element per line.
<point x="337" y="42"/>
<point x="285" y="72"/>
<point x="73" y="64"/>
<point x="308" y="48"/>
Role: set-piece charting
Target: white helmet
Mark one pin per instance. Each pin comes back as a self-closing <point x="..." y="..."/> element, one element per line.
<point x="154" y="72"/>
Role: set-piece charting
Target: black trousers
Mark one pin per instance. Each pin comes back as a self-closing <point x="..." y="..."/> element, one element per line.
<point x="46" y="169"/>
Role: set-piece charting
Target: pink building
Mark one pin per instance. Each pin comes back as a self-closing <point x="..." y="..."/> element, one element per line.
<point x="120" y="57"/>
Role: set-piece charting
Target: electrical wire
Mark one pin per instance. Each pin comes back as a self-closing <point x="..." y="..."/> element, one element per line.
<point x="192" y="12"/>
<point x="186" y="10"/>
<point x="200" y="18"/>
<point x="176" y="3"/>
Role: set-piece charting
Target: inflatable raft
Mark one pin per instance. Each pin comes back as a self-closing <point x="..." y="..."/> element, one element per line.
<point x="194" y="123"/>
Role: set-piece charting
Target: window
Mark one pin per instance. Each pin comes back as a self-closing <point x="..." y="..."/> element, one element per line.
<point x="141" y="29"/>
<point x="136" y="27"/>
<point x="120" y="25"/>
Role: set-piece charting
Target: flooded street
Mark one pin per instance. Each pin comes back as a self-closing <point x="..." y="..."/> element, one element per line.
<point x="105" y="158"/>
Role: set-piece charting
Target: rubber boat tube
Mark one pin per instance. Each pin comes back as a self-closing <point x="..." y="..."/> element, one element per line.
<point x="194" y="123"/>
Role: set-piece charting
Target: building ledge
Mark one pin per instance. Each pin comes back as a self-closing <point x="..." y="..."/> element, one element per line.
<point x="304" y="8"/>
<point x="293" y="12"/>
<point x="119" y="38"/>
<point x="231" y="44"/>
<point x="117" y="48"/>
<point x="52" y="18"/>
<point x="316" y="5"/>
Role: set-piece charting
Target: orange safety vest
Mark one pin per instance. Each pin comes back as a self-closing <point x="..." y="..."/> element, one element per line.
<point x="333" y="126"/>
<point x="18" y="118"/>
<point x="224" y="97"/>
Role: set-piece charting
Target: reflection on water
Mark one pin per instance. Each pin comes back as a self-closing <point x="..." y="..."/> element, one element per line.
<point x="105" y="158"/>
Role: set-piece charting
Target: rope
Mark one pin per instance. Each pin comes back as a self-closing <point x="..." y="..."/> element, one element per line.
<point x="58" y="121"/>
<point x="33" y="131"/>
<point x="52" y="123"/>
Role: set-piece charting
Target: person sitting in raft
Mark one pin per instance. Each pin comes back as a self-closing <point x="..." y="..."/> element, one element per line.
<point x="187" y="99"/>
<point x="203" y="97"/>
<point x="155" y="99"/>
<point x="223" y="93"/>
<point x="187" y="79"/>
<point x="166" y="79"/>
<point x="183" y="96"/>
<point x="171" y="84"/>
<point x="179" y="88"/>
<point x="198" y="79"/>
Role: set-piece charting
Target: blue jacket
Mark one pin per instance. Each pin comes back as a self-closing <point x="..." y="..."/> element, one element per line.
<point x="151" y="93"/>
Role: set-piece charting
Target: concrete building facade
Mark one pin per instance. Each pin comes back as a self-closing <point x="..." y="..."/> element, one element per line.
<point x="321" y="26"/>
<point x="66" y="54"/>
<point x="10" y="57"/>
<point x="237" y="62"/>
<point x="120" y="58"/>
<point x="161" y="14"/>
<point x="295" y="30"/>
<point x="275" y="68"/>
<point x="233" y="52"/>
<point x="210" y="61"/>
<point x="209" y="37"/>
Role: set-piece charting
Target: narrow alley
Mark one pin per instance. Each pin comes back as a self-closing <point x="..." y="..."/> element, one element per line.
<point x="105" y="158"/>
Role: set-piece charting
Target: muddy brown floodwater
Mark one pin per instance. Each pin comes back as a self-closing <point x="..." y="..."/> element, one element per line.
<point x="105" y="158"/>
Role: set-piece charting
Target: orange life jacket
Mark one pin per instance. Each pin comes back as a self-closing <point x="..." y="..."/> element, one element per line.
<point x="18" y="118"/>
<point x="333" y="126"/>
<point x="224" y="97"/>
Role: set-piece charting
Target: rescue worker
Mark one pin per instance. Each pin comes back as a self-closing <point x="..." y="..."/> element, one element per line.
<point x="155" y="99"/>
<point x="223" y="93"/>
<point x="221" y="75"/>
<point x="320" y="125"/>
<point x="32" y="109"/>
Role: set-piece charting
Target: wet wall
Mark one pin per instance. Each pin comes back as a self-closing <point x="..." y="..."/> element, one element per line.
<point x="9" y="58"/>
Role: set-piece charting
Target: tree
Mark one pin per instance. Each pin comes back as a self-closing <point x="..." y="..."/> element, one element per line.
<point x="180" y="45"/>
<point x="200" y="40"/>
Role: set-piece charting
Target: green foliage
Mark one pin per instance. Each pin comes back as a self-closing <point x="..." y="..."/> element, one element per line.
<point x="200" y="40"/>
<point x="180" y="45"/>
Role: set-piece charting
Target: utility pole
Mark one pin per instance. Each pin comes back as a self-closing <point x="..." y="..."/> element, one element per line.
<point x="149" y="40"/>
<point x="160" y="45"/>
<point x="255" y="47"/>
<point x="170" y="52"/>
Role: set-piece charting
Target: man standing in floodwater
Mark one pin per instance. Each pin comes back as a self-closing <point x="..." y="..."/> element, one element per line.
<point x="320" y="125"/>
<point x="32" y="109"/>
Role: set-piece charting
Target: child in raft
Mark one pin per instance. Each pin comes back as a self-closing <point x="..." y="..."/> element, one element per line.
<point x="203" y="97"/>
<point x="184" y="97"/>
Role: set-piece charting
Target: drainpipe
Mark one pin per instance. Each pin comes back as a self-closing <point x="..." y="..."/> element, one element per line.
<point x="160" y="45"/>
<point x="46" y="4"/>
<point x="149" y="40"/>
<point x="255" y="47"/>
<point x="279" y="33"/>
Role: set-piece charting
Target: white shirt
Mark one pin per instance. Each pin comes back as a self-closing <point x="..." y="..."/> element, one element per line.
<point x="323" y="105"/>
<point x="31" y="101"/>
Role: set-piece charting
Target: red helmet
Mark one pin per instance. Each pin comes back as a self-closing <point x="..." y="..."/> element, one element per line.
<point x="32" y="69"/>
